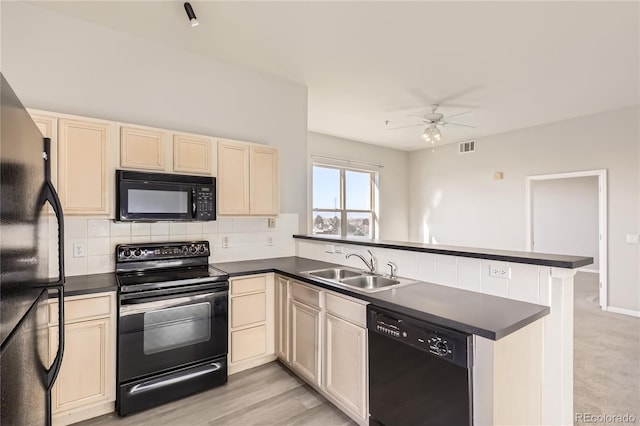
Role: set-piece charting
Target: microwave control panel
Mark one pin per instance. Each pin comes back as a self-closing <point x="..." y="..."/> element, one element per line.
<point x="205" y="203"/>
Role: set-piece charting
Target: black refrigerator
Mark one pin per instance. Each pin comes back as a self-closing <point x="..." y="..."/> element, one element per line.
<point x="29" y="207"/>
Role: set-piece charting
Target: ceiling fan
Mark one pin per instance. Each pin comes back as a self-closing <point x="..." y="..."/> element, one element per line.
<point x="432" y="120"/>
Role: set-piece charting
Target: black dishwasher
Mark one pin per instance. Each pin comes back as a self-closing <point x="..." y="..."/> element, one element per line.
<point x="419" y="373"/>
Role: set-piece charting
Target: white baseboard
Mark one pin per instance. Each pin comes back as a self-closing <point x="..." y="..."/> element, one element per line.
<point x="623" y="311"/>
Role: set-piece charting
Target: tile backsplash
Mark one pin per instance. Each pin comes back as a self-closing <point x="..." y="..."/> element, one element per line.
<point x="248" y="238"/>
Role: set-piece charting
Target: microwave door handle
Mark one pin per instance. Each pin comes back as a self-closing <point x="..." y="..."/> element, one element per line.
<point x="194" y="204"/>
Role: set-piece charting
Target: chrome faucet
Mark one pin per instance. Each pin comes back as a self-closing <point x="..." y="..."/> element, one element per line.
<point x="371" y="263"/>
<point x="393" y="268"/>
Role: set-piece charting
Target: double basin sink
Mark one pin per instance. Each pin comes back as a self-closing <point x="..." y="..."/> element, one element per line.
<point x="358" y="280"/>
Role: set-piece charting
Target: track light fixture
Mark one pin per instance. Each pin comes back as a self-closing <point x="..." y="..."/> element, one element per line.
<point x="191" y="14"/>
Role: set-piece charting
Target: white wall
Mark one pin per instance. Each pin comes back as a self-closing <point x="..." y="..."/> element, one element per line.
<point x="565" y="217"/>
<point x="62" y="64"/>
<point x="454" y="199"/>
<point x="393" y="178"/>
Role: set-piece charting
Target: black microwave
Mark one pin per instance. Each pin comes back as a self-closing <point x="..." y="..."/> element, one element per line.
<point x="160" y="196"/>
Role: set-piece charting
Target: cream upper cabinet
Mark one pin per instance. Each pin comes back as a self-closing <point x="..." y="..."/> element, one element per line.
<point x="84" y="165"/>
<point x="192" y="154"/>
<point x="248" y="179"/>
<point x="142" y="148"/>
<point x="233" y="178"/>
<point x="86" y="384"/>
<point x="264" y="181"/>
<point x="251" y="322"/>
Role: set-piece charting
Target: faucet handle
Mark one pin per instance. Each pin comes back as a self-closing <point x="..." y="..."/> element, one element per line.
<point x="393" y="268"/>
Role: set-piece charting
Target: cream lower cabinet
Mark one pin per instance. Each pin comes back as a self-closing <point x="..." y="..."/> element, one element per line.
<point x="251" y="322"/>
<point x="323" y="338"/>
<point x="305" y="341"/>
<point x="86" y="384"/>
<point x="282" y="319"/>
<point x="345" y="356"/>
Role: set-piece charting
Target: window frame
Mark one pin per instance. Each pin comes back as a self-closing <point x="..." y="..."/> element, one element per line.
<point x="342" y="212"/>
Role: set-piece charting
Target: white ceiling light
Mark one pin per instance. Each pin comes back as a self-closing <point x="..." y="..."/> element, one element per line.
<point x="191" y="14"/>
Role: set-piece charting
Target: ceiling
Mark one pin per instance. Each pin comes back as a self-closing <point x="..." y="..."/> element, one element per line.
<point x="514" y="64"/>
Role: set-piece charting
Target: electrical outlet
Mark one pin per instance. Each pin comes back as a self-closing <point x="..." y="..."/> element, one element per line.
<point x="225" y="242"/>
<point x="499" y="271"/>
<point x="79" y="250"/>
<point x="272" y="222"/>
<point x="338" y="249"/>
<point x="269" y="240"/>
<point x="329" y="248"/>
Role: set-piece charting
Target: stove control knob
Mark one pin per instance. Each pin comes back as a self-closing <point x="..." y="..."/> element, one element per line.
<point x="137" y="252"/>
<point x="193" y="249"/>
<point x="441" y="348"/>
<point x="126" y="253"/>
<point x="201" y="249"/>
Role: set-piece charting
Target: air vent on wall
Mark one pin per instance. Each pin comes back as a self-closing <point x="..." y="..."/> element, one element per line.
<point x="467" y="147"/>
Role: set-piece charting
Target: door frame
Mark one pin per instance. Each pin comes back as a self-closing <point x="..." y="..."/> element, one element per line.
<point x="602" y="220"/>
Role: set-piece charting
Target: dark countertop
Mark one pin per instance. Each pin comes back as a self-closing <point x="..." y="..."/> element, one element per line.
<point x="531" y="258"/>
<point x="475" y="313"/>
<point x="87" y="284"/>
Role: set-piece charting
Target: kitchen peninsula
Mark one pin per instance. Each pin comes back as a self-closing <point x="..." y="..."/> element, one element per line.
<point x="542" y="279"/>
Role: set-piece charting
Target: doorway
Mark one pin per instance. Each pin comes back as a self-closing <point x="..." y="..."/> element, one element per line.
<point x="567" y="213"/>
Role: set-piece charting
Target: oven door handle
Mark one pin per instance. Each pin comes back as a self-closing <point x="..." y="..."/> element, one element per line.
<point x="145" y="305"/>
<point x="175" y="378"/>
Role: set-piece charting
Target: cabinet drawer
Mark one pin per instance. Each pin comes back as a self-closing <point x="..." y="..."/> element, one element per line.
<point x="248" y="285"/>
<point x="248" y="309"/>
<point x="248" y="343"/>
<point x="82" y="309"/>
<point x="347" y="309"/>
<point x="305" y="294"/>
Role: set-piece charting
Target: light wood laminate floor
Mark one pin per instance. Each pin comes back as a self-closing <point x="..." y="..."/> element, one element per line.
<point x="266" y="395"/>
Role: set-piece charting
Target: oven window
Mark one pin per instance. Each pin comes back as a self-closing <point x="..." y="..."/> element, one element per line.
<point x="176" y="327"/>
<point x="152" y="201"/>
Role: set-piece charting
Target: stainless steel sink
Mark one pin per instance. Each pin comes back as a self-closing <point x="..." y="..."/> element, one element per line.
<point x="335" y="273"/>
<point x="369" y="282"/>
<point x="358" y="280"/>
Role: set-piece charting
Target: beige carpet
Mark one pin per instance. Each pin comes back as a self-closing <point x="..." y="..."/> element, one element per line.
<point x="606" y="356"/>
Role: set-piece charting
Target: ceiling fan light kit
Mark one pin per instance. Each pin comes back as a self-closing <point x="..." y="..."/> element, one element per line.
<point x="432" y="120"/>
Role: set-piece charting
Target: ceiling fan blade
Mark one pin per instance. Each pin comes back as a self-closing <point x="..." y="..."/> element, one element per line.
<point x="416" y="115"/>
<point x="459" y="114"/>
<point x="404" y="127"/>
<point x="445" y="123"/>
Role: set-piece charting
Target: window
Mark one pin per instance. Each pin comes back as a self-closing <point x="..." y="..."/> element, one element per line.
<point x="343" y="201"/>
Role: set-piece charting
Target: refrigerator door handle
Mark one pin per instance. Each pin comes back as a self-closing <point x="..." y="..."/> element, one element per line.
<point x="48" y="193"/>
<point x="52" y="372"/>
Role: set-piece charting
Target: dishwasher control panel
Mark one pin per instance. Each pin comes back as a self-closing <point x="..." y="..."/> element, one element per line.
<point x="441" y="342"/>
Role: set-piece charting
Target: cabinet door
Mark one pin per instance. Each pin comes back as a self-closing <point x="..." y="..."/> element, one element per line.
<point x="86" y="375"/>
<point x="264" y="181"/>
<point x="346" y="364"/>
<point x="305" y="341"/>
<point x="191" y="155"/>
<point x="233" y="178"/>
<point x="142" y="148"/>
<point x="83" y="184"/>
<point x="282" y="319"/>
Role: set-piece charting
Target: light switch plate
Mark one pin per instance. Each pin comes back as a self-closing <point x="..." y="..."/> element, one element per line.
<point x="272" y="222"/>
<point x="633" y="238"/>
<point x="329" y="248"/>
